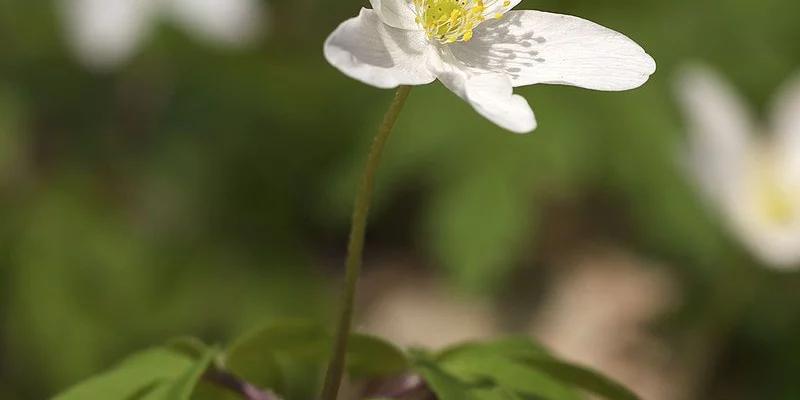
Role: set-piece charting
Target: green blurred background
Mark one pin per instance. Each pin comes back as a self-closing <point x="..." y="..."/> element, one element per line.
<point x="199" y="191"/>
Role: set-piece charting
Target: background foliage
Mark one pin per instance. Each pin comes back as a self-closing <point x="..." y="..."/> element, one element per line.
<point x="201" y="192"/>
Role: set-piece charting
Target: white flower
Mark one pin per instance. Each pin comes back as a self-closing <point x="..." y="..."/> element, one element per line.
<point x="480" y="51"/>
<point x="753" y="179"/>
<point x="106" y="33"/>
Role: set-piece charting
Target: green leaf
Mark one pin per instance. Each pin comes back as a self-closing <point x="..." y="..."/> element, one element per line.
<point x="506" y="358"/>
<point x="208" y="391"/>
<point x="297" y="338"/>
<point x="370" y="356"/>
<point x="583" y="378"/>
<point x="259" y="368"/>
<point x="133" y="375"/>
<point x="256" y="357"/>
<point x="159" y="392"/>
<point x="184" y="386"/>
<point x="191" y="347"/>
<point x="444" y="385"/>
<point x="508" y="374"/>
<point x="165" y="373"/>
<point x="514" y="347"/>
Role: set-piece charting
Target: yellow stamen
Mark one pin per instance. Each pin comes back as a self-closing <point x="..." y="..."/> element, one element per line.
<point x="777" y="204"/>
<point x="775" y="200"/>
<point x="449" y="21"/>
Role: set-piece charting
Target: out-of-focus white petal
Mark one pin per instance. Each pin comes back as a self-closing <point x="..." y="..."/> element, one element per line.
<point x="491" y="95"/>
<point x="719" y="127"/>
<point x="776" y="246"/>
<point x="106" y="33"/>
<point x="744" y="178"/>
<point x="539" y="47"/>
<point x="785" y="124"/>
<point x="226" y="22"/>
<point x="366" y="49"/>
<point x="396" y="13"/>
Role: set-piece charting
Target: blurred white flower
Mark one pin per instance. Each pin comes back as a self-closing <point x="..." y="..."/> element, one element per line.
<point x="752" y="179"/>
<point x="106" y="33"/>
<point x="480" y="50"/>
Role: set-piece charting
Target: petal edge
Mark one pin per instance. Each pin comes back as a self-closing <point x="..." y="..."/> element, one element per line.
<point x="395" y="13"/>
<point x="366" y="49"/>
<point x="539" y="47"/>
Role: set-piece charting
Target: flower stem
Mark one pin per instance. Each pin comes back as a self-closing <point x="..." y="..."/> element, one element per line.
<point x="355" y="246"/>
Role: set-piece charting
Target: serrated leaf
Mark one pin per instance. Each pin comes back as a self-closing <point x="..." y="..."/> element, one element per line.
<point x="131" y="376"/>
<point x="583" y="378"/>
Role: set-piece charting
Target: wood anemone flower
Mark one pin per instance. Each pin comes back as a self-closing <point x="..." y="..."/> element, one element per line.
<point x="481" y="50"/>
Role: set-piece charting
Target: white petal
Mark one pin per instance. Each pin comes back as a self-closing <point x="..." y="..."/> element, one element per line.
<point x="226" y="22"/>
<point x="499" y="7"/>
<point x="491" y="95"/>
<point x="396" y="13"/>
<point x="719" y="129"/>
<point x="539" y="47"/>
<point x="372" y="52"/>
<point x="776" y="246"/>
<point x="785" y="119"/>
<point x="106" y="33"/>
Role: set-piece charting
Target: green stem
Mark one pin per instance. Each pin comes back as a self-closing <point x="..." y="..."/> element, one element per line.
<point x="355" y="247"/>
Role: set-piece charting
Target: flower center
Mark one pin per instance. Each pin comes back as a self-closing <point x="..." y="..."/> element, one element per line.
<point x="777" y="204"/>
<point x="451" y="21"/>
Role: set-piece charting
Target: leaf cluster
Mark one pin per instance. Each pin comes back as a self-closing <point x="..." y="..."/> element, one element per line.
<point x="513" y="368"/>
